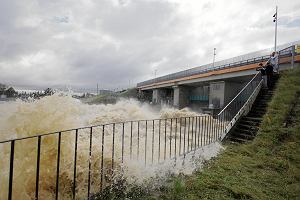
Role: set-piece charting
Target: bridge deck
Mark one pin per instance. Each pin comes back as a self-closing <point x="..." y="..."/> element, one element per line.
<point x="246" y="67"/>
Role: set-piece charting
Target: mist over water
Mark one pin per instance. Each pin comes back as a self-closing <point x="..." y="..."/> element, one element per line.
<point x="132" y="150"/>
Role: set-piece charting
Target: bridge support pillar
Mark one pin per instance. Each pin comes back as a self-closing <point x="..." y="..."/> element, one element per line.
<point x="158" y="96"/>
<point x="162" y="96"/>
<point x="180" y="96"/>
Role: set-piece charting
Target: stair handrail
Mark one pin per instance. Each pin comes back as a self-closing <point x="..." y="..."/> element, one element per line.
<point x="244" y="88"/>
<point x="231" y="113"/>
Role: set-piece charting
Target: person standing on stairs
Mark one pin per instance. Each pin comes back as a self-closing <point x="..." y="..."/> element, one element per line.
<point x="273" y="60"/>
<point x="269" y="72"/>
<point x="263" y="74"/>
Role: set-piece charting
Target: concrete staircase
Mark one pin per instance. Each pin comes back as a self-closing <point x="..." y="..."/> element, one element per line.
<point x="246" y="128"/>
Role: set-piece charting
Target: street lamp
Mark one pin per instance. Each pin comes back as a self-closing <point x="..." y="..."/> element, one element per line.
<point x="214" y="57"/>
<point x="275" y="16"/>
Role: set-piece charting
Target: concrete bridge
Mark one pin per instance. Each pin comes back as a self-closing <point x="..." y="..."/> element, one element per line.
<point x="211" y="88"/>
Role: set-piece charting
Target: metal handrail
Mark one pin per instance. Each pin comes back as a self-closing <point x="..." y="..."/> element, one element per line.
<point x="244" y="88"/>
<point x="236" y="107"/>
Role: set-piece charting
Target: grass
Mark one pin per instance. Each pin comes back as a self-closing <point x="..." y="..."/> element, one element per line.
<point x="266" y="168"/>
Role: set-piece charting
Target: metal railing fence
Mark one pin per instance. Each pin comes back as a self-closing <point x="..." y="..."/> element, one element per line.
<point x="85" y="160"/>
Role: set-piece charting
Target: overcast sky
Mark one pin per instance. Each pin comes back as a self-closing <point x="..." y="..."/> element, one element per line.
<point x="116" y="42"/>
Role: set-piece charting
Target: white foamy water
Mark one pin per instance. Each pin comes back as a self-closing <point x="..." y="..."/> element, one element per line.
<point x="143" y="150"/>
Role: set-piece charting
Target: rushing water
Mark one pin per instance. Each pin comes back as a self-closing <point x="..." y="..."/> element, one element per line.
<point x="59" y="112"/>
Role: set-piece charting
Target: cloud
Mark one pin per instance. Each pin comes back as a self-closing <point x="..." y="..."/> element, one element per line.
<point x="114" y="42"/>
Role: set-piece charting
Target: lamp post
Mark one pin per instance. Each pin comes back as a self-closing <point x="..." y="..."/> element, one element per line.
<point x="97" y="89"/>
<point x="214" y="57"/>
<point x="275" y="17"/>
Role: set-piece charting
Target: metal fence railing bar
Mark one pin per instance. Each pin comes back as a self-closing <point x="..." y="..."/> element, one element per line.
<point x="86" y="160"/>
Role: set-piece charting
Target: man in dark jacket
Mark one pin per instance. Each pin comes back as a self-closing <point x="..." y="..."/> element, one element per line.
<point x="269" y="73"/>
<point x="262" y="70"/>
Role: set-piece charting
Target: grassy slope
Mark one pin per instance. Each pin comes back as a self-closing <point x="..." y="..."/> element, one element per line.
<point x="267" y="168"/>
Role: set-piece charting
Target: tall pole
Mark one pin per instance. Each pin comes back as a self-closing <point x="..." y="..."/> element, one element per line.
<point x="97" y="89"/>
<point x="275" y="16"/>
<point x="214" y="57"/>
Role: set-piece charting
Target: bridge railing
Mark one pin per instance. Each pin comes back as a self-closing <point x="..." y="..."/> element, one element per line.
<point x="252" y="58"/>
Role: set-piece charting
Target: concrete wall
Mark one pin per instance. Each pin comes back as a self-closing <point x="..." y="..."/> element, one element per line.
<point x="222" y="92"/>
<point x="216" y="94"/>
<point x="231" y="90"/>
<point x="199" y="91"/>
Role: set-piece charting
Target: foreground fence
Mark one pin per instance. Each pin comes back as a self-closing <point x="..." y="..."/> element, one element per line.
<point x="85" y="160"/>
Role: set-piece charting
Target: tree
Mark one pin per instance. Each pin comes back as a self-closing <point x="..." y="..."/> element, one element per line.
<point x="10" y="92"/>
<point x="2" y="88"/>
<point x="48" y="92"/>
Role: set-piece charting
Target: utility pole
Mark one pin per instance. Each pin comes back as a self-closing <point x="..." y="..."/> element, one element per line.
<point x="97" y="89"/>
<point x="214" y="57"/>
<point x="155" y="71"/>
<point x="275" y="17"/>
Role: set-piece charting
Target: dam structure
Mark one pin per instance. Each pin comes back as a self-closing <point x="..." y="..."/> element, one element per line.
<point x="91" y="161"/>
<point x="212" y="86"/>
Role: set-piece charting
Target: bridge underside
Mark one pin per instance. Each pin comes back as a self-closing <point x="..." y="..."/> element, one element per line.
<point x="209" y="96"/>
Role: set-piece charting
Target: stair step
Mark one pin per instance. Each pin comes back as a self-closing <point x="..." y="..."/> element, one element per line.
<point x="238" y="131"/>
<point x="255" y="115"/>
<point x="239" y="140"/>
<point x="254" y="118"/>
<point x="258" y="112"/>
<point x="250" y="123"/>
<point x="246" y="126"/>
<point x="259" y="108"/>
<point x="264" y="99"/>
<point x="246" y="136"/>
<point x="260" y="105"/>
